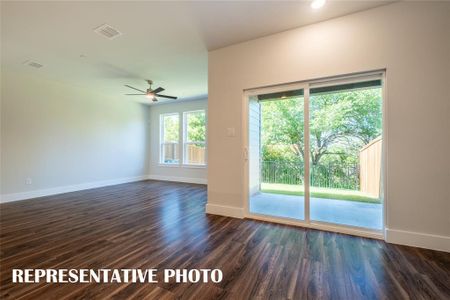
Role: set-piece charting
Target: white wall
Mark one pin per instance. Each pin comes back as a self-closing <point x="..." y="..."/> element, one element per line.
<point x="67" y="138"/>
<point x="411" y="40"/>
<point x="191" y="174"/>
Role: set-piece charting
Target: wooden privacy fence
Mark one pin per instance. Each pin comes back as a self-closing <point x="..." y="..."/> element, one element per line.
<point x="370" y="168"/>
<point x="195" y="154"/>
<point x="170" y="152"/>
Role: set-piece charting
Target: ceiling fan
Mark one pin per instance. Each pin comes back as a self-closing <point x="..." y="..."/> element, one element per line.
<point x="151" y="94"/>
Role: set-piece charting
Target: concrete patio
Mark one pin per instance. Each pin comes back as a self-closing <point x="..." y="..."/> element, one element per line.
<point x="343" y="212"/>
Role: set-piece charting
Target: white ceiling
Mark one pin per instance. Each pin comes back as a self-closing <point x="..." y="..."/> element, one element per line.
<point x="163" y="41"/>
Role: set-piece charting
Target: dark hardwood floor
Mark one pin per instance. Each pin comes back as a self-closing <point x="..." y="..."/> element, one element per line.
<point x="153" y="224"/>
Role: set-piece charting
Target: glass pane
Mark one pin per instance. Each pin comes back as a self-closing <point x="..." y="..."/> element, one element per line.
<point x="171" y="127"/>
<point x="170" y="153"/>
<point x="196" y="126"/>
<point x="195" y="153"/>
<point x="345" y="154"/>
<point x="276" y="164"/>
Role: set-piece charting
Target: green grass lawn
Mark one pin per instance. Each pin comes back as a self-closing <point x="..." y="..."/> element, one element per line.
<point x="298" y="190"/>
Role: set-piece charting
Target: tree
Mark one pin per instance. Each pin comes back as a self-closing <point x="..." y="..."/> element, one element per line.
<point x="171" y="128"/>
<point x="340" y="123"/>
<point x="196" y="127"/>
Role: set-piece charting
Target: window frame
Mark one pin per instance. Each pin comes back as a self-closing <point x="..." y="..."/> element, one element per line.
<point x="186" y="142"/>
<point x="162" y="143"/>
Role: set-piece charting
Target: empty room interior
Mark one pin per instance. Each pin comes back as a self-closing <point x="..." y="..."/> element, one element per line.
<point x="225" y="150"/>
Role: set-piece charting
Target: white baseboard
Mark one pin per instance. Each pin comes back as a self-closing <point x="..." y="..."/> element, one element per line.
<point x="416" y="239"/>
<point x="178" y="179"/>
<point x="67" y="189"/>
<point x="227" y="211"/>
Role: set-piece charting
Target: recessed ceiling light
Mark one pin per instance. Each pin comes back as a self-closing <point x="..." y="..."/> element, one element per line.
<point x="317" y="3"/>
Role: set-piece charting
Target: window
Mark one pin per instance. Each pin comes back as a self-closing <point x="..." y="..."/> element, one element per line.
<point x="170" y="136"/>
<point x="194" y="137"/>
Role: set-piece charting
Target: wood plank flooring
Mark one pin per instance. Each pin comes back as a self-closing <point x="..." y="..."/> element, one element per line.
<point x="153" y="224"/>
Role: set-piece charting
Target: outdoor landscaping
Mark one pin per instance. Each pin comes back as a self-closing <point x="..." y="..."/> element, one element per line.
<point x="345" y="145"/>
<point x="317" y="192"/>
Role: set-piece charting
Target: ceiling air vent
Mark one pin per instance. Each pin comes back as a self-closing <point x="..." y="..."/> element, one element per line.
<point x="33" y="64"/>
<point x="107" y="31"/>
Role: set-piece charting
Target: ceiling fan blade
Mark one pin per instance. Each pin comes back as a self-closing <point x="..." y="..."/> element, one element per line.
<point x="129" y="86"/>
<point x="157" y="90"/>
<point x="135" y="94"/>
<point x="164" y="96"/>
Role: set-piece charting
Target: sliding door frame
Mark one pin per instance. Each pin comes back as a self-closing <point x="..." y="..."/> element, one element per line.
<point x="245" y="135"/>
<point x="306" y="86"/>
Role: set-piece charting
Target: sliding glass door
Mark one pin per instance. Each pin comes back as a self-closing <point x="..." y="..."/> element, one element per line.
<point x="345" y="146"/>
<point x="276" y="140"/>
<point x="315" y="153"/>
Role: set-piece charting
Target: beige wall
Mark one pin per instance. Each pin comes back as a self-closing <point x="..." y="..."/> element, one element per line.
<point x="411" y="41"/>
<point x="60" y="136"/>
<point x="175" y="173"/>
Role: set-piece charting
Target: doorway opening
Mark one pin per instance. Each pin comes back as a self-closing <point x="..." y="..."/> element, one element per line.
<point x="315" y="153"/>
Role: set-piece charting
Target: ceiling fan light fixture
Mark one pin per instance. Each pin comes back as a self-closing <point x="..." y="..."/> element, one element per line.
<point x="151" y="94"/>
